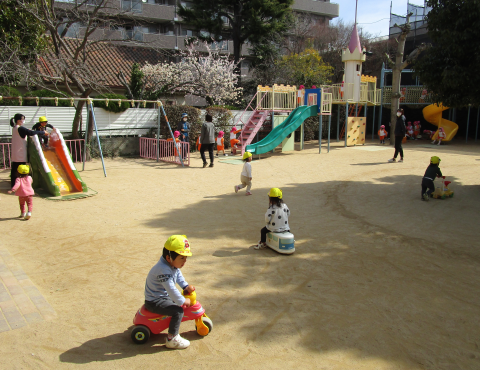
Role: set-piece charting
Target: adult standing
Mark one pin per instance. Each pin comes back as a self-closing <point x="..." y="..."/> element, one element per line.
<point x="399" y="135"/>
<point x="207" y="140"/>
<point x="19" y="144"/>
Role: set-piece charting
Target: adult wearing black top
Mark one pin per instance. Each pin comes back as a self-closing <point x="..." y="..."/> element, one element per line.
<point x="399" y="135"/>
<point x="19" y="144"/>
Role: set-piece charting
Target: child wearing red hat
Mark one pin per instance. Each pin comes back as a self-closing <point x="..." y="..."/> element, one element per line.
<point x="220" y="143"/>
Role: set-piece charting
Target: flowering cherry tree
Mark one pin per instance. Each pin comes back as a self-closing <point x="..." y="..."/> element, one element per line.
<point x="206" y="74"/>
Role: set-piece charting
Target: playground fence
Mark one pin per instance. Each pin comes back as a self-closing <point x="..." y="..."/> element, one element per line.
<point x="166" y="150"/>
<point x="75" y="147"/>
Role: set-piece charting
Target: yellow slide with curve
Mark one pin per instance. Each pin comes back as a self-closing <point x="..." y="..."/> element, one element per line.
<point x="433" y="114"/>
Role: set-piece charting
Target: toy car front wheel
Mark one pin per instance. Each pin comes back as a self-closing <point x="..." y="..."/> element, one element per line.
<point x="208" y="323"/>
<point x="204" y="330"/>
<point x="140" y="334"/>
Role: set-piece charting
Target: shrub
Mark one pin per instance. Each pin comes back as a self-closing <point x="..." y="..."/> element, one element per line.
<point x="112" y="106"/>
<point x="45" y="94"/>
<point x="7" y="91"/>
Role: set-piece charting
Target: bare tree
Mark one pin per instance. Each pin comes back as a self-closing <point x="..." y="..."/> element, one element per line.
<point x="75" y="29"/>
<point x="397" y="66"/>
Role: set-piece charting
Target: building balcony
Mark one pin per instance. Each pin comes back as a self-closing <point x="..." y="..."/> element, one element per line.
<point x="319" y="7"/>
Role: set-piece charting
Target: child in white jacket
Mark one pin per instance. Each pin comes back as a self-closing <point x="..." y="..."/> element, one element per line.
<point x="276" y="217"/>
<point x="246" y="176"/>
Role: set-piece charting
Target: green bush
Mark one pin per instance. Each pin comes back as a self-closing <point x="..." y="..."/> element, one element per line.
<point x="7" y="91"/>
<point x="44" y="102"/>
<point x="113" y="106"/>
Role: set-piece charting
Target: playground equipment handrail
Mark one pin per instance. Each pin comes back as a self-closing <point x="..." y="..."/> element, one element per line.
<point x="254" y="110"/>
<point x="73" y="99"/>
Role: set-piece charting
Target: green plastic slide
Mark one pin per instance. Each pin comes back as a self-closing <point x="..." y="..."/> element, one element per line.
<point x="279" y="133"/>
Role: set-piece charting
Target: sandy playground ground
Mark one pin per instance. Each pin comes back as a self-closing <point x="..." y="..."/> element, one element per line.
<point x="379" y="279"/>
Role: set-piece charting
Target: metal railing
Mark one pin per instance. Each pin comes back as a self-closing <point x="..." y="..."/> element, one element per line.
<point x="74" y="146"/>
<point x="166" y="150"/>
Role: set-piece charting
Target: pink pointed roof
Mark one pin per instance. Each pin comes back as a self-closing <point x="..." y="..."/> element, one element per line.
<point x="354" y="40"/>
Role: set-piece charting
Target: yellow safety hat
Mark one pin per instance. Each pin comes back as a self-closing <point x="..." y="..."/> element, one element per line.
<point x="178" y="244"/>
<point x="435" y="160"/>
<point x="43" y="119"/>
<point x="275" y="193"/>
<point x="23" y="169"/>
<point x="247" y="155"/>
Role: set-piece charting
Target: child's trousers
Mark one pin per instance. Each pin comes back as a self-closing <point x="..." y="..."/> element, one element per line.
<point x="28" y="200"/>
<point x="427" y="184"/>
<point x="169" y="308"/>
<point x="245" y="182"/>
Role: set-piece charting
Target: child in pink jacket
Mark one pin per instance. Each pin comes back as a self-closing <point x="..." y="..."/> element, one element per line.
<point x="23" y="189"/>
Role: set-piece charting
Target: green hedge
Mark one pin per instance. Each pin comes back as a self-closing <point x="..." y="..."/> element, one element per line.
<point x="7" y="91"/>
<point x="112" y="105"/>
<point x="42" y="102"/>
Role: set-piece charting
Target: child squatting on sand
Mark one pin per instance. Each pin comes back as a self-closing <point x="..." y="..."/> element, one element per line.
<point x="246" y="176"/>
<point x="427" y="181"/>
<point x="23" y="189"/>
<point x="161" y="295"/>
<point x="276" y="217"/>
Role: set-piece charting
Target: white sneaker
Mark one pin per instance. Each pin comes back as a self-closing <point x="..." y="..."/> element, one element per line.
<point x="177" y="342"/>
<point x="392" y="160"/>
<point x="236" y="188"/>
<point x="260" y="245"/>
<point x="22" y="215"/>
<point x="28" y="215"/>
<point x="400" y="160"/>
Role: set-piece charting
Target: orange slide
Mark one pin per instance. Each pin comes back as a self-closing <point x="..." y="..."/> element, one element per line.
<point x="433" y="114"/>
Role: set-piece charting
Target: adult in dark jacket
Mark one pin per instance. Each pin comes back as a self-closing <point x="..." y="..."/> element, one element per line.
<point x="207" y="139"/>
<point x="19" y="144"/>
<point x="400" y="131"/>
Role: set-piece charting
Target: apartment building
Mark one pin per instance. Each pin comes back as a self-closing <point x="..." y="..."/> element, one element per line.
<point x="156" y="22"/>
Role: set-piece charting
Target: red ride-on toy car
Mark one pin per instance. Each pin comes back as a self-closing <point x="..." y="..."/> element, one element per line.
<point x="147" y="322"/>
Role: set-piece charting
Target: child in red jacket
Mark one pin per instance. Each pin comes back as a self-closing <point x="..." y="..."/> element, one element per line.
<point x="220" y="143"/>
<point x="382" y="133"/>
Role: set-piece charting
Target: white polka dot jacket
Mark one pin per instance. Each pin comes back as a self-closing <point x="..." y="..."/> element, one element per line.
<point x="277" y="218"/>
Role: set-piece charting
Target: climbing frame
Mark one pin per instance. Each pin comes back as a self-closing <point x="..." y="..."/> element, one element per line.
<point x="356" y="127"/>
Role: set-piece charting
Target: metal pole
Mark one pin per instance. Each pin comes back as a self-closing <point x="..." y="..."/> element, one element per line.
<point x="338" y="123"/>
<point x="346" y="123"/>
<point x="171" y="133"/>
<point x="373" y="122"/>
<point x="85" y="142"/>
<point x="158" y="134"/>
<point x="476" y="130"/>
<point x="468" y="121"/>
<point x="382" y="77"/>
<point x="329" y="124"/>
<point x="320" y="121"/>
<point x="356" y="109"/>
<point x="98" y="137"/>
<point x="366" y="106"/>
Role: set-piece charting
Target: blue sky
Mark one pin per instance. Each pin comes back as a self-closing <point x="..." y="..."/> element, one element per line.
<point x="370" y="11"/>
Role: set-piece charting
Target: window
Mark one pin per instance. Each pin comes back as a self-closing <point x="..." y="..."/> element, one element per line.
<point x="73" y="30"/>
<point x="132" y="5"/>
<point x="133" y="33"/>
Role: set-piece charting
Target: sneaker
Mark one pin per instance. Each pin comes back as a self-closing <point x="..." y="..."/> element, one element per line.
<point x="248" y="193"/>
<point x="177" y="342"/>
<point x="211" y="165"/>
<point x="28" y="215"/>
<point x="400" y="160"/>
<point x="392" y="160"/>
<point x="216" y="155"/>
<point x="22" y="215"/>
<point x="260" y="245"/>
<point x="236" y="188"/>
<point x="426" y="197"/>
<point x="205" y="164"/>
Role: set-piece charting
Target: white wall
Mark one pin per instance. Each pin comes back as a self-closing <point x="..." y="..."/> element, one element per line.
<point x="133" y="121"/>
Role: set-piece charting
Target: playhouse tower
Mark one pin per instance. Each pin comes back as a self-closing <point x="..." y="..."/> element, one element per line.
<point x="353" y="57"/>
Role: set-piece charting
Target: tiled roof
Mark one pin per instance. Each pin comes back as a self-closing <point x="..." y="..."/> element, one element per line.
<point x="103" y="61"/>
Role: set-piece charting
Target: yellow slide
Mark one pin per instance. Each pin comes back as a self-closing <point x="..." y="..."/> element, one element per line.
<point x="433" y="114"/>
